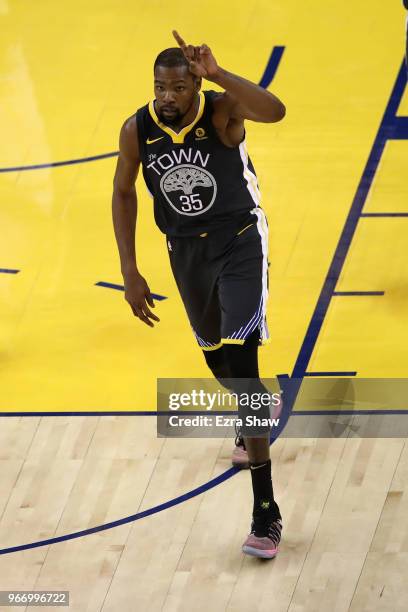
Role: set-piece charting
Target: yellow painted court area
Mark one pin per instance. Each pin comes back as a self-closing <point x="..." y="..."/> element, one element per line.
<point x="71" y="74"/>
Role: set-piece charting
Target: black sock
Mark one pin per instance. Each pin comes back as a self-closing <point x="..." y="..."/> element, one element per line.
<point x="265" y="507"/>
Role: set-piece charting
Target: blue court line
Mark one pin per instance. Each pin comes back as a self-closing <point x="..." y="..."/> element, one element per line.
<point x="384" y="214"/>
<point x="348" y="412"/>
<point x="128" y="519"/>
<point x="333" y="374"/>
<point x="358" y="293"/>
<point x="104" y="413"/>
<point x="68" y="162"/>
<point x="271" y="66"/>
<point x="154" y="413"/>
<point x="8" y="271"/>
<point x="266" y="79"/>
<point x="398" y="130"/>
<point x="391" y="127"/>
<point x="155" y="296"/>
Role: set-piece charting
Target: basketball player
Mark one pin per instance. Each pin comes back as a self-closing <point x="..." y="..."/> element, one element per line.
<point x="191" y="145"/>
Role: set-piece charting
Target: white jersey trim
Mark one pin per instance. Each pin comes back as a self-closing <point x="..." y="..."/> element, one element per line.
<point x="250" y="177"/>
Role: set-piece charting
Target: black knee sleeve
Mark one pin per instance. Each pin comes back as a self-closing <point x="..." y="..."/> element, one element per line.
<point x="242" y="359"/>
<point x="243" y="364"/>
<point x="216" y="361"/>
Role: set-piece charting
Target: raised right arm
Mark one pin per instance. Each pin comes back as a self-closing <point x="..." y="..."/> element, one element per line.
<point x="124" y="214"/>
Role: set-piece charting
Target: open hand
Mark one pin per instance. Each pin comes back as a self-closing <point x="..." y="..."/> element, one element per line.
<point x="201" y="60"/>
<point x="138" y="296"/>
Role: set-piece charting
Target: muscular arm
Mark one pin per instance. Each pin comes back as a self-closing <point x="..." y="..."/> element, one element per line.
<point x="246" y="100"/>
<point x="124" y="200"/>
<point x="124" y="213"/>
<point x="242" y="100"/>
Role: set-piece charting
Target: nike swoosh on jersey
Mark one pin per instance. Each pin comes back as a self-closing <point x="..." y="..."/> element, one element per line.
<point x="148" y="141"/>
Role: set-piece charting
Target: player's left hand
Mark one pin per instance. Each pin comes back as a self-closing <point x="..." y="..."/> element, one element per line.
<point x="201" y="60"/>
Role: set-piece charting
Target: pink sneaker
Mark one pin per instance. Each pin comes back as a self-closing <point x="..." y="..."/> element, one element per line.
<point x="265" y="544"/>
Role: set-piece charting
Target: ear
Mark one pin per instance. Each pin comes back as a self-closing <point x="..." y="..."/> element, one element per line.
<point x="197" y="83"/>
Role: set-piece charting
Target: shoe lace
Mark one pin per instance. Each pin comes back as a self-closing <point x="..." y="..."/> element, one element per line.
<point x="273" y="531"/>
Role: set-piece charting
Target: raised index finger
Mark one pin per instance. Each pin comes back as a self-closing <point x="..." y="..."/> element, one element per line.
<point x="179" y="40"/>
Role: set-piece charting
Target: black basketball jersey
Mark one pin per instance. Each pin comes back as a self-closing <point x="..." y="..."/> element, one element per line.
<point x="197" y="183"/>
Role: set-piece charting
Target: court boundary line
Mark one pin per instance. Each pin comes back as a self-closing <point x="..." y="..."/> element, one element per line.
<point x="106" y="285"/>
<point x="210" y="484"/>
<point x="213" y="413"/>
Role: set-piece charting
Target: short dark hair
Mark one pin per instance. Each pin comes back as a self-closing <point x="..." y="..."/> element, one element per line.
<point x="171" y="58"/>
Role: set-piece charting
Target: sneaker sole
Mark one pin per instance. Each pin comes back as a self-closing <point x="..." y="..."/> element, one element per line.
<point x="257" y="552"/>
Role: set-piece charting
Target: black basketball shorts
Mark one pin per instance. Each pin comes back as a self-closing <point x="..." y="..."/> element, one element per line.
<point x="222" y="277"/>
